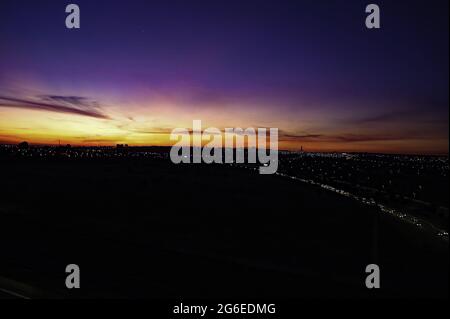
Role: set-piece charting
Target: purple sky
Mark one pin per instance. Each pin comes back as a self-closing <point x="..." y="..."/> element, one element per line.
<point x="310" y="68"/>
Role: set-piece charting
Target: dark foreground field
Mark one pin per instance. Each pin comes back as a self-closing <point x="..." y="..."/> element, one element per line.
<point x="154" y="229"/>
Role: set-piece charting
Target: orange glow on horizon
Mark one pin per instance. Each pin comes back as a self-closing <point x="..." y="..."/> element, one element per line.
<point x="152" y="125"/>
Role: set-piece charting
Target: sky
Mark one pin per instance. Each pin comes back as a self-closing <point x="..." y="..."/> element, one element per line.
<point x="135" y="70"/>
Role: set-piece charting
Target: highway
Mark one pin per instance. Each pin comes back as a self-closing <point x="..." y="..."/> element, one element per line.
<point x="7" y="294"/>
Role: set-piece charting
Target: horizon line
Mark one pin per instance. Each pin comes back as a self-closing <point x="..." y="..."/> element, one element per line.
<point x="245" y="148"/>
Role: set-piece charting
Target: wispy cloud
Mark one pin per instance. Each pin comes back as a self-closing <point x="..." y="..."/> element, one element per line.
<point x="346" y="138"/>
<point x="412" y="115"/>
<point x="59" y="104"/>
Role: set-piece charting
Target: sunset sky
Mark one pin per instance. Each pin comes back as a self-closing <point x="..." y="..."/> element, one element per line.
<point x="137" y="69"/>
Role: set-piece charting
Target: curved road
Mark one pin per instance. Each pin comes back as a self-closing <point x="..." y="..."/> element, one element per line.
<point x="6" y="294"/>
